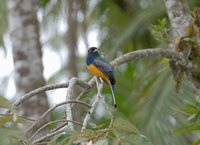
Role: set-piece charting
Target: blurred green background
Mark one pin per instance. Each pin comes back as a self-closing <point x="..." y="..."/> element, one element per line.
<point x="145" y="88"/>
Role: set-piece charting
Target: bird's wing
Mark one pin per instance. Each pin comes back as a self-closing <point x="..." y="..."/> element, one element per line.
<point x="106" y="68"/>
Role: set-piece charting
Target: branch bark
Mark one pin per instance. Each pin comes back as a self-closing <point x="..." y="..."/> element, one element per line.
<point x="94" y="104"/>
<point x="179" y="16"/>
<point x="44" y="115"/>
<point x="156" y="52"/>
<point x="184" y="26"/>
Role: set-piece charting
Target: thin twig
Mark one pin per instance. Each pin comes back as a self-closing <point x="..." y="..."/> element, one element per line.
<point x="45" y="125"/>
<point x="41" y="143"/>
<point x="55" y="129"/>
<point x="94" y="104"/>
<point x="108" y="109"/>
<point x="78" y="98"/>
<point x="111" y="117"/>
<point x="109" y="112"/>
<point x="79" y="82"/>
<point x="62" y="125"/>
<point x="59" y="127"/>
<point x="51" y="109"/>
<point x="49" y="136"/>
<point x="39" y="90"/>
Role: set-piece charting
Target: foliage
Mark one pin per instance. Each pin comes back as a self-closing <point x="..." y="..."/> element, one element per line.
<point x="160" y="31"/>
<point x="120" y="132"/>
<point x="10" y="134"/>
<point x="43" y="3"/>
<point x="3" y="22"/>
<point x="4" y="103"/>
<point x="192" y="112"/>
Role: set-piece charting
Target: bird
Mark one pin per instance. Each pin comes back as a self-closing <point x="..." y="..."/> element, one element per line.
<point x="100" y="67"/>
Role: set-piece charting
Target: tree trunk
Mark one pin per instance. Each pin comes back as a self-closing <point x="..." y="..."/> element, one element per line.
<point x="28" y="68"/>
<point x="184" y="27"/>
<point x="71" y="37"/>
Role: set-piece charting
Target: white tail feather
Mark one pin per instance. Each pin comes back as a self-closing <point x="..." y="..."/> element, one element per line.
<point x="113" y="94"/>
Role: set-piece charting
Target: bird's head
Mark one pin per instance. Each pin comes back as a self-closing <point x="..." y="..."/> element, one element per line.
<point x="92" y="50"/>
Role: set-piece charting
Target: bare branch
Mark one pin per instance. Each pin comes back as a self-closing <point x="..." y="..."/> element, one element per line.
<point x="51" y="109"/>
<point x="69" y="96"/>
<point x="109" y="112"/>
<point x="54" y="130"/>
<point x="45" y="125"/>
<point x="79" y="82"/>
<point x="49" y="136"/>
<point x="157" y="52"/>
<point x="70" y="91"/>
<point x="94" y="104"/>
<point x="39" y="90"/>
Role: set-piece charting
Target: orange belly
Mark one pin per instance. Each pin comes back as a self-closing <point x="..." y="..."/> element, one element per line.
<point x="94" y="70"/>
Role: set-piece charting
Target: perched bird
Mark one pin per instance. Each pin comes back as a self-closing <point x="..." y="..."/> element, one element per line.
<point x="98" y="66"/>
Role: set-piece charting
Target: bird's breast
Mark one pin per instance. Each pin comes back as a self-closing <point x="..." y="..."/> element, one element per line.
<point x="94" y="70"/>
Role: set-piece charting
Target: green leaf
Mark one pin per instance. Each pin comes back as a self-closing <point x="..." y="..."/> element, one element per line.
<point x="5" y="119"/>
<point x="101" y="142"/>
<point x="139" y="140"/>
<point x="125" y="126"/>
<point x="130" y="139"/>
<point x="67" y="138"/>
<point x="186" y="129"/>
<point x="43" y="3"/>
<point x="197" y="142"/>
<point x="4" y="103"/>
<point x="160" y="31"/>
<point x="11" y="136"/>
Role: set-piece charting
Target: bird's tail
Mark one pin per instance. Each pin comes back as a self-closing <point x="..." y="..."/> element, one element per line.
<point x="113" y="94"/>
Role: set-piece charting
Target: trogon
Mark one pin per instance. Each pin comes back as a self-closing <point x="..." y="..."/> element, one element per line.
<point x="98" y="66"/>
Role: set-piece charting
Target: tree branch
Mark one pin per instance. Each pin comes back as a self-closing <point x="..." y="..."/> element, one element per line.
<point x="69" y="96"/>
<point x="39" y="90"/>
<point x="81" y="83"/>
<point x="49" y="136"/>
<point x="157" y="52"/>
<point x="51" y="109"/>
<point x="54" y="130"/>
<point x="45" y="125"/>
<point x="94" y="104"/>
